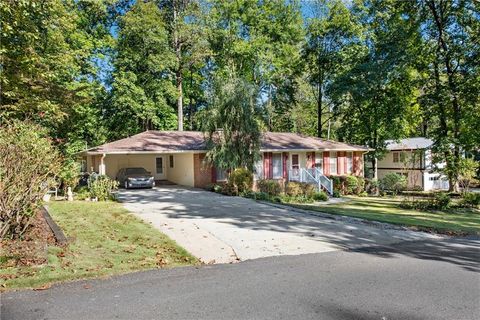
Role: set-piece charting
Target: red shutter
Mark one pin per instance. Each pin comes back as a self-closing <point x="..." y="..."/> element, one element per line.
<point x="326" y="164"/>
<point x="267" y="165"/>
<point x="284" y="164"/>
<point x="356" y="163"/>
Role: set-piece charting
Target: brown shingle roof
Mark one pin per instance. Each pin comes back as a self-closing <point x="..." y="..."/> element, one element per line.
<point x="185" y="141"/>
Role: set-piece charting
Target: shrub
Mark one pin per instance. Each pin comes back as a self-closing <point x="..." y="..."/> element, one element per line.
<point x="351" y="185"/>
<point x="470" y="199"/>
<point x="28" y="166"/>
<point x="320" y="196"/>
<point x="336" y="194"/>
<point x="393" y="182"/>
<point x="440" y="201"/>
<point x="270" y="187"/>
<point x="308" y="190"/>
<point x="371" y="186"/>
<point x="293" y="189"/>
<point x="82" y="193"/>
<point x="242" y="179"/>
<point x="261" y="196"/>
<point x="101" y="187"/>
<point x="360" y="185"/>
<point x="363" y="194"/>
<point x="228" y="189"/>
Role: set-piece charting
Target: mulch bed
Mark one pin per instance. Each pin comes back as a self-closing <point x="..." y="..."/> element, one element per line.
<point x="32" y="248"/>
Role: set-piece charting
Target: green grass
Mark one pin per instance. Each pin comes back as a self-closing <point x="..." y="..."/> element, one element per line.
<point x="104" y="239"/>
<point x="458" y="221"/>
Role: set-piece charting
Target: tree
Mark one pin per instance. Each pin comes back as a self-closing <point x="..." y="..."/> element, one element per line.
<point x="142" y="88"/>
<point x="331" y="33"/>
<point x="376" y="94"/>
<point x="188" y="40"/>
<point x="49" y="65"/>
<point x="231" y="124"/>
<point x="451" y="83"/>
<point x="261" y="42"/>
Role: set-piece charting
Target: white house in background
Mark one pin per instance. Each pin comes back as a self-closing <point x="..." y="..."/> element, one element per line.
<point x="412" y="158"/>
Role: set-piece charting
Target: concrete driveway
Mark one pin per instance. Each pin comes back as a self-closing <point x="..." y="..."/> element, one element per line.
<point x="222" y="229"/>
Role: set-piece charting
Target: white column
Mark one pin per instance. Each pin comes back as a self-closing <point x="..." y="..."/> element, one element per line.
<point x="101" y="167"/>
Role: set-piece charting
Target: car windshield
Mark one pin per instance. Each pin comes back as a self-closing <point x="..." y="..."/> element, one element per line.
<point x="136" y="171"/>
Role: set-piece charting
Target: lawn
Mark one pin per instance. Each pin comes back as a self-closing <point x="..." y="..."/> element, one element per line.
<point x="386" y="209"/>
<point x="104" y="239"/>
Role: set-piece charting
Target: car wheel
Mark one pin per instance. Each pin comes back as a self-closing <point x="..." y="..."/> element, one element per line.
<point x="126" y="184"/>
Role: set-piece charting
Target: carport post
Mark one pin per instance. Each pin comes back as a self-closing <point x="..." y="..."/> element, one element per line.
<point x="101" y="167"/>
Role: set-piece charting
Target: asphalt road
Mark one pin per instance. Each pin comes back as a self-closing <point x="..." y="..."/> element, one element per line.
<point x="438" y="279"/>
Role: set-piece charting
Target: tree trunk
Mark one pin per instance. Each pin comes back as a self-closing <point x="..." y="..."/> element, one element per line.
<point x="319" y="111"/>
<point x="179" y="81"/>
<point x="178" y="75"/>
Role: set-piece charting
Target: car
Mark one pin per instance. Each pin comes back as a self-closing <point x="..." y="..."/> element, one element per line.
<point x="135" y="178"/>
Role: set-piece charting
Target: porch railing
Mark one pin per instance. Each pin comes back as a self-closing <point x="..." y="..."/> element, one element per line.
<point x="312" y="176"/>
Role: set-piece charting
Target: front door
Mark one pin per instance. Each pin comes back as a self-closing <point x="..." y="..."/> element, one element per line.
<point x="295" y="172"/>
<point x="160" y="168"/>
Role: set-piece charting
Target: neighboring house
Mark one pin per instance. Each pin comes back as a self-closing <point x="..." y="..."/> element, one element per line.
<point x="178" y="156"/>
<point x="413" y="158"/>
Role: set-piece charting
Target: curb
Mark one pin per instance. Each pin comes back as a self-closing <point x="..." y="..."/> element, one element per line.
<point x="60" y="237"/>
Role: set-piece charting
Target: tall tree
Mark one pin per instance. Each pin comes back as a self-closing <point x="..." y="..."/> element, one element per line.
<point x="188" y="41"/>
<point x="331" y="33"/>
<point x="451" y="34"/>
<point x="261" y="41"/>
<point x="142" y="88"/>
<point x="378" y="92"/>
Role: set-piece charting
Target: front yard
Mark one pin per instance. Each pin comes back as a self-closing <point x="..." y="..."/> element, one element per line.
<point x="104" y="239"/>
<point x="386" y="209"/>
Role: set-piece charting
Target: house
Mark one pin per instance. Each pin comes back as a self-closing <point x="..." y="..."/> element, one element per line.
<point x="412" y="158"/>
<point x="178" y="156"/>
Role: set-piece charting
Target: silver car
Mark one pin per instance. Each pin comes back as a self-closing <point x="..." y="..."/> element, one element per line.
<point x="135" y="178"/>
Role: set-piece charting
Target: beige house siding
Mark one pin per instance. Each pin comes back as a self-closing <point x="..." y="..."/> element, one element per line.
<point x="182" y="171"/>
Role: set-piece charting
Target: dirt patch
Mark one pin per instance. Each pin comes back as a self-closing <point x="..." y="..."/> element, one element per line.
<point x="31" y="249"/>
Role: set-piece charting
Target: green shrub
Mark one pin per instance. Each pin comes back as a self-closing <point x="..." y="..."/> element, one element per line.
<point x="360" y="185"/>
<point x="270" y="187"/>
<point x="101" y="187"/>
<point x="336" y="194"/>
<point x="351" y="185"/>
<point x="320" y="196"/>
<point x="229" y="189"/>
<point x="393" y="182"/>
<point x="82" y="193"/>
<point x="371" y="186"/>
<point x="363" y="194"/>
<point x="241" y="179"/>
<point x="261" y="196"/>
<point x="470" y="199"/>
<point x="440" y="201"/>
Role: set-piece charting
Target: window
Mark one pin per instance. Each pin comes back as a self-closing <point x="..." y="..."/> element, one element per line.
<point x="171" y="161"/>
<point x="395" y="157"/>
<point x="221" y="174"/>
<point x="295" y="163"/>
<point x="319" y="161"/>
<point x="349" y="162"/>
<point x="333" y="163"/>
<point x="277" y="166"/>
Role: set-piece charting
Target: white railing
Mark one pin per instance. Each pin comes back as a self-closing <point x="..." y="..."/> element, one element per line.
<point x="311" y="176"/>
<point x="440" y="184"/>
